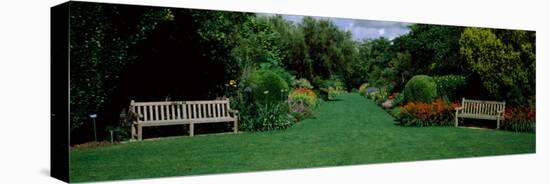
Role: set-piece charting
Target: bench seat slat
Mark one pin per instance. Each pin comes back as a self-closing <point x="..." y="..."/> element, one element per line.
<point x="165" y="122"/>
<point x="213" y="120"/>
<point x="478" y="116"/>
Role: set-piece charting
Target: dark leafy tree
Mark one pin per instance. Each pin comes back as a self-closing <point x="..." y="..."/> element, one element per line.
<point x="101" y="39"/>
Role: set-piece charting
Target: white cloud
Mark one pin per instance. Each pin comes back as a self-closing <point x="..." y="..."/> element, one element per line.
<point x="361" y="29"/>
<point x="381" y="32"/>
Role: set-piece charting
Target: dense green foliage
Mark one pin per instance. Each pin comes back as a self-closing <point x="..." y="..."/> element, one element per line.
<point x="504" y="60"/>
<point x="302" y="83"/>
<point x="448" y="86"/>
<point x="271" y="116"/>
<point x="420" y="88"/>
<point x="267" y="87"/>
<point x="399" y="99"/>
<point x="101" y="51"/>
<point x="434" y="49"/>
<point x="256" y="43"/>
<point x="262" y="101"/>
<point x="337" y="136"/>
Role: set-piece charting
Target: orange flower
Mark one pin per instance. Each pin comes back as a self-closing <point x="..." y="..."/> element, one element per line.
<point x="427" y="110"/>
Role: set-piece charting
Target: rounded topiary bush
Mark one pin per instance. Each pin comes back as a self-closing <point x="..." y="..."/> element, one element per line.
<point x="267" y="87"/>
<point x="421" y="88"/>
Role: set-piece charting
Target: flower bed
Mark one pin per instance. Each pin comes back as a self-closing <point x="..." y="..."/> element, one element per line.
<point x="302" y="101"/>
<point x="438" y="112"/>
<point x="519" y="119"/>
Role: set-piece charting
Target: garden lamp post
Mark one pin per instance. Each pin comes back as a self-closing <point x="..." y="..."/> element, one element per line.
<point x="93" y="116"/>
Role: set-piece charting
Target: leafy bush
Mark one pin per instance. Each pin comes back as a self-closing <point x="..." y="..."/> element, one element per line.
<point x="330" y="88"/>
<point x="336" y="83"/>
<point x="378" y="96"/>
<point x="302" y="83"/>
<point x="421" y="88"/>
<point x="332" y="92"/>
<point x="398" y="99"/>
<point x="275" y="67"/>
<point x="271" y="116"/>
<point x="448" y="85"/>
<point x="519" y="119"/>
<point x="303" y="95"/>
<point x="438" y="112"/>
<point x="395" y="112"/>
<point x="120" y="133"/>
<point x="266" y="87"/>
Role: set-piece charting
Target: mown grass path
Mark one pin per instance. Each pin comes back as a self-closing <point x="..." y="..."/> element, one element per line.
<point x="351" y="130"/>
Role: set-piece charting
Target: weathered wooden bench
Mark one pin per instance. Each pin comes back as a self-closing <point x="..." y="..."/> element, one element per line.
<point x="477" y="109"/>
<point x="180" y="113"/>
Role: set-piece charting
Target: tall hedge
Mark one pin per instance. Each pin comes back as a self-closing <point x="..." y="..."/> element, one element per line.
<point x="449" y="85"/>
<point x="421" y="88"/>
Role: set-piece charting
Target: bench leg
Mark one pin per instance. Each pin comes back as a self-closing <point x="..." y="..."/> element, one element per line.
<point x="133" y="132"/>
<point x="498" y="123"/>
<point x="236" y="126"/>
<point x="140" y="132"/>
<point x="456" y="119"/>
<point x="191" y="129"/>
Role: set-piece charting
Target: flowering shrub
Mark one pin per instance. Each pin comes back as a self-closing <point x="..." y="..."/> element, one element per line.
<point x="303" y="95"/>
<point x="519" y="119"/>
<point x="302" y="101"/>
<point x="438" y="112"/>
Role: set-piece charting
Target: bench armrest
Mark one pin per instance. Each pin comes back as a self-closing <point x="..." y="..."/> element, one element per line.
<point x="500" y="112"/>
<point x="232" y="111"/>
<point x="458" y="108"/>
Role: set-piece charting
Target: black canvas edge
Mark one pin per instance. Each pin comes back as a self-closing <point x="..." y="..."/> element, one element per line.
<point x="59" y="92"/>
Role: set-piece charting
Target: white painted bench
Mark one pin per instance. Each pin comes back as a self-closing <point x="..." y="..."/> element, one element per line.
<point x="477" y="109"/>
<point x="180" y="113"/>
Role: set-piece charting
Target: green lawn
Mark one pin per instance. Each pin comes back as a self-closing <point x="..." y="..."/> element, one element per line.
<point x="351" y="130"/>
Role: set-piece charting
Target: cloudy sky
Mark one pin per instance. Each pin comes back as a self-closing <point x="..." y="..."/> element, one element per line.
<point x="361" y="29"/>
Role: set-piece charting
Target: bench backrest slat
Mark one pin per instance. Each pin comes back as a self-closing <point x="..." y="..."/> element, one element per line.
<point x="179" y="110"/>
<point x="218" y="110"/>
<point x="480" y="107"/>
<point x="192" y="111"/>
